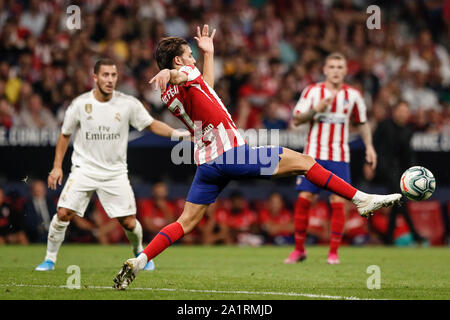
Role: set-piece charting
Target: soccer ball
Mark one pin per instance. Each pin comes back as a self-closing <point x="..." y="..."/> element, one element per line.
<point x="417" y="183"/>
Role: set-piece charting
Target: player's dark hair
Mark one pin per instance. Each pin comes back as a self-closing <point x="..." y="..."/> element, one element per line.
<point x="103" y="62"/>
<point x="167" y="49"/>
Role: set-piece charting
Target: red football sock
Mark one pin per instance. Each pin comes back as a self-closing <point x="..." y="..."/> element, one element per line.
<point x="167" y="236"/>
<point x="336" y="225"/>
<point x="325" y="179"/>
<point x="301" y="222"/>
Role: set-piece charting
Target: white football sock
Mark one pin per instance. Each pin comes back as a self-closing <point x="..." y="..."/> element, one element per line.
<point x="135" y="238"/>
<point x="56" y="233"/>
<point x="142" y="260"/>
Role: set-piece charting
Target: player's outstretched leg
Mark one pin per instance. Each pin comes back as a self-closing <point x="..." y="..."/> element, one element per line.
<point x="55" y="238"/>
<point x="295" y="163"/>
<point x="168" y="235"/>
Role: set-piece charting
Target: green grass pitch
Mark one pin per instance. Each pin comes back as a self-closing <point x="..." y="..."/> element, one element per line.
<point x="228" y="273"/>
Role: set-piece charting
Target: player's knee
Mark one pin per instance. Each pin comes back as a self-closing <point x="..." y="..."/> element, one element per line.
<point x="307" y="161"/>
<point x="294" y="163"/>
<point x="336" y="199"/>
<point x="64" y="214"/>
<point x="128" y="223"/>
<point x="302" y="163"/>
<point x="307" y="195"/>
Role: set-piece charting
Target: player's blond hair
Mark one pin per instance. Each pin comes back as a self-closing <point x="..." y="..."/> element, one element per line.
<point x="335" y="56"/>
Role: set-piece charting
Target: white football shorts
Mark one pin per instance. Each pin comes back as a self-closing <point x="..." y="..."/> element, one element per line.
<point x="115" y="194"/>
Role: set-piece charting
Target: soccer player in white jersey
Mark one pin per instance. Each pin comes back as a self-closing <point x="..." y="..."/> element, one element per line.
<point x="100" y="121"/>
<point x="328" y="107"/>
<point x="220" y="151"/>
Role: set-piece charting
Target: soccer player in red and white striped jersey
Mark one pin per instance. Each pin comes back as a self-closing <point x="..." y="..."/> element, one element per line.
<point x="190" y="96"/>
<point x="207" y="120"/>
<point x="328" y="107"/>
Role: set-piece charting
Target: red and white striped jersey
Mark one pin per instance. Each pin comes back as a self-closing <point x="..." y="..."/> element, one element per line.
<point x="197" y="105"/>
<point x="328" y="133"/>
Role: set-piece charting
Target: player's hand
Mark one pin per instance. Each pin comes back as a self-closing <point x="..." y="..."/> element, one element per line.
<point x="181" y="134"/>
<point x="161" y="80"/>
<point x="204" y="40"/>
<point x="371" y="157"/>
<point x="324" y="103"/>
<point x="368" y="172"/>
<point x="55" y="177"/>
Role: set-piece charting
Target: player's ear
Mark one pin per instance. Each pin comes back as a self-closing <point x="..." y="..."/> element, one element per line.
<point x="177" y="60"/>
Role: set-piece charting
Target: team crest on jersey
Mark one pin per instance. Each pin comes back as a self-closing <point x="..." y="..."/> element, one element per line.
<point x="118" y="117"/>
<point x="88" y="107"/>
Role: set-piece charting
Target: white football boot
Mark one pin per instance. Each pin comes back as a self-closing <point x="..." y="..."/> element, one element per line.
<point x="127" y="274"/>
<point x="374" y="202"/>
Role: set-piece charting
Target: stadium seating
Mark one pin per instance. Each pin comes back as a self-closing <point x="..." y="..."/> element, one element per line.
<point x="427" y="218"/>
<point x="319" y="216"/>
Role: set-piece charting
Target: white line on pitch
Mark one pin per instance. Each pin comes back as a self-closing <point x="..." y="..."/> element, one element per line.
<point x="290" y="294"/>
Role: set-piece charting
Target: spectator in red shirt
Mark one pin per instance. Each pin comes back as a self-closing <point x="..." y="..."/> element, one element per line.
<point x="11" y="223"/>
<point x="378" y="227"/>
<point x="241" y="222"/>
<point x="106" y="230"/>
<point x="276" y="221"/>
<point x="157" y="212"/>
<point x="213" y="232"/>
<point x="355" y="229"/>
<point x="6" y="113"/>
<point x="257" y="95"/>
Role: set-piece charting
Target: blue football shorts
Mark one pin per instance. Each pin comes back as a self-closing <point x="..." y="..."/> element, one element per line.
<point x="341" y="169"/>
<point x="243" y="162"/>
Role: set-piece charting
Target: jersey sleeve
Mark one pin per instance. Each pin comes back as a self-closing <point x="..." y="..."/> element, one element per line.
<point x="139" y="118"/>
<point x="194" y="75"/>
<point x="359" y="109"/>
<point x="304" y="104"/>
<point x="71" y="119"/>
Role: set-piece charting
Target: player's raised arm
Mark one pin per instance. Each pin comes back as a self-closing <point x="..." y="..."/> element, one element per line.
<point x="206" y="45"/>
<point x="366" y="136"/>
<point x="166" y="76"/>
<point x="56" y="175"/>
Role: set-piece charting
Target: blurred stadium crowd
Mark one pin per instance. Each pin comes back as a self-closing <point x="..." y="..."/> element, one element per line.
<point x="266" y="53"/>
<point x="233" y="220"/>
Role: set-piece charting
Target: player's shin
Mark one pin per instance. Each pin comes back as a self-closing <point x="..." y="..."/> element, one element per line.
<point x="336" y="225"/>
<point x="301" y="222"/>
<point x="56" y="233"/>
<point x="166" y="237"/>
<point x="135" y="238"/>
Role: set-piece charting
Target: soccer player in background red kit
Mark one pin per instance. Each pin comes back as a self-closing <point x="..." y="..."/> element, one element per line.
<point x="221" y="154"/>
<point x="328" y="107"/>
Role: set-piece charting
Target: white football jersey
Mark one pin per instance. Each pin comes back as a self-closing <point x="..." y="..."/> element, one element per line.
<point x="101" y="132"/>
<point x="328" y="133"/>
